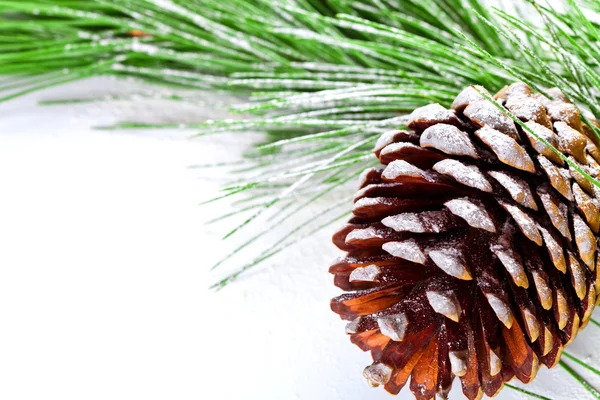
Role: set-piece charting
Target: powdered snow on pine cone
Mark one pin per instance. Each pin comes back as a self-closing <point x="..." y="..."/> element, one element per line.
<point x="472" y="252"/>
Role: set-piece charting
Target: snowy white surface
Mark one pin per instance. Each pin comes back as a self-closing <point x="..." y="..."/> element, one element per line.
<point x="104" y="259"/>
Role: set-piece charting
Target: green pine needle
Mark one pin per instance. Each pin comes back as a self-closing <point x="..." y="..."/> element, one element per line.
<point x="580" y="380"/>
<point x="526" y="392"/>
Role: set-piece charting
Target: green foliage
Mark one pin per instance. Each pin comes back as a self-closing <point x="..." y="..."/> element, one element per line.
<point x="324" y="78"/>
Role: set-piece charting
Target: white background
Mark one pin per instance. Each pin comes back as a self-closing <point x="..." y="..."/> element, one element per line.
<point x="104" y="258"/>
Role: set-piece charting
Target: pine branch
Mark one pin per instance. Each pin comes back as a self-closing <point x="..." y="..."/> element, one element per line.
<point x="334" y="69"/>
<point x="323" y="73"/>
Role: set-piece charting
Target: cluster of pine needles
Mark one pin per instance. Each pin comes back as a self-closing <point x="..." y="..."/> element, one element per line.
<point x="322" y="78"/>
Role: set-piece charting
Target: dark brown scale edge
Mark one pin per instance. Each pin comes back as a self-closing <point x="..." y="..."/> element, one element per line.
<point x="472" y="252"/>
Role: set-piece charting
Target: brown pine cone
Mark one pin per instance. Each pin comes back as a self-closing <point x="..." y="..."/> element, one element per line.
<point x="472" y="252"/>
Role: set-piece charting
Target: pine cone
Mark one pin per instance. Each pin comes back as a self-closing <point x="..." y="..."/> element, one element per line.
<point x="472" y="252"/>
